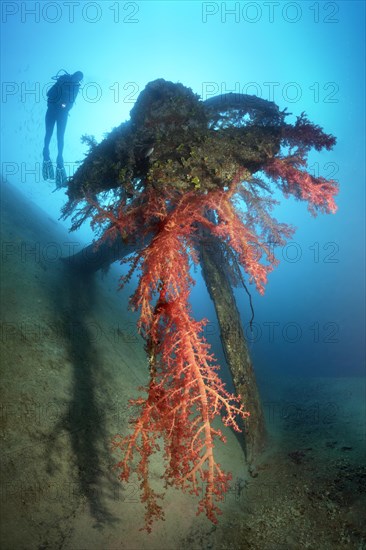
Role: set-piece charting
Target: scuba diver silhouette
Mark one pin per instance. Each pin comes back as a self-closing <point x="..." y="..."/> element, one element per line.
<point x="60" y="99"/>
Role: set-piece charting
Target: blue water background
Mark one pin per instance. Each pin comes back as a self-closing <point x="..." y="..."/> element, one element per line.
<point x="305" y="56"/>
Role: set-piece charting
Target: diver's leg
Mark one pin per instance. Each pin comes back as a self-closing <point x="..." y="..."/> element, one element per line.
<point x="61" y="127"/>
<point x="50" y="121"/>
<point x="47" y="168"/>
<point x="61" y="177"/>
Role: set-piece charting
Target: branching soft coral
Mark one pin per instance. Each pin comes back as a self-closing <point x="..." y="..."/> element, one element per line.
<point x="185" y="392"/>
<point x="318" y="192"/>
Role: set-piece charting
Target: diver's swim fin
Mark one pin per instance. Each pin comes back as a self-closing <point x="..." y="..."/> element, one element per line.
<point x="61" y="177"/>
<point x="47" y="170"/>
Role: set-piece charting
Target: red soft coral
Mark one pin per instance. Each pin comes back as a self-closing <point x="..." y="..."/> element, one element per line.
<point x="185" y="393"/>
<point x="319" y="192"/>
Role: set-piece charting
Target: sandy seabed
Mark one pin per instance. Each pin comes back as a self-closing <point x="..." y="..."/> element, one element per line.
<point x="70" y="360"/>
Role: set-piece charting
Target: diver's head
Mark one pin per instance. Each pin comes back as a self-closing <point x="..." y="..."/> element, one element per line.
<point x="77" y="77"/>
